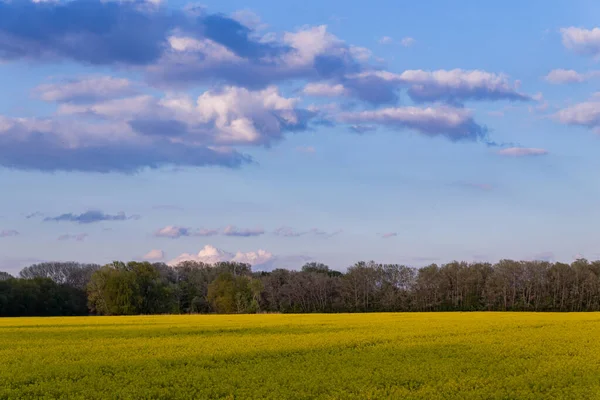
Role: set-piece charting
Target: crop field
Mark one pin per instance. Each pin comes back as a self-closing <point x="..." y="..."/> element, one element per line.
<point x="343" y="356"/>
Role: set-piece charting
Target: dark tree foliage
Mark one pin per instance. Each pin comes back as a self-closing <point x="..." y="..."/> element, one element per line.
<point x="229" y="287"/>
<point x="40" y="297"/>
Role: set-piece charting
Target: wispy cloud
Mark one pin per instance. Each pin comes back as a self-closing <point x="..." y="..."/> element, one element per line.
<point x="231" y="230"/>
<point x="407" y="41"/>
<point x="8" y="233"/>
<point x="175" y="232"/>
<point x="562" y="76"/>
<point x="286" y="231"/>
<point x="306" y="149"/>
<point x="388" y="235"/>
<point x="79" y="237"/>
<point x="522" y="152"/>
<point x="90" y="217"/>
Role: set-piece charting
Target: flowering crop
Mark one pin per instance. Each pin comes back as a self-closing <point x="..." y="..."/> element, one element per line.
<point x="323" y="356"/>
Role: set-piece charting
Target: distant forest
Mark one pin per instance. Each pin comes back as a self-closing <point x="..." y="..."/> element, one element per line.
<point x="193" y="287"/>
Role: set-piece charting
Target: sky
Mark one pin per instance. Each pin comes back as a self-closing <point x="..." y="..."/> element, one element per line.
<point x="277" y="133"/>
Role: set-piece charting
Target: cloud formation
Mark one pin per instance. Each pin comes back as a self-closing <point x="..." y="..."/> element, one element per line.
<point x="146" y="132"/>
<point x="586" y="114"/>
<point x="455" y="124"/>
<point x="582" y="41"/>
<point x="88" y="89"/>
<point x="210" y="254"/>
<point x="175" y="232"/>
<point x="388" y="235"/>
<point x="407" y="41"/>
<point x="154" y="255"/>
<point x="90" y="217"/>
<point x="108" y="123"/>
<point x="452" y="86"/>
<point x="231" y="230"/>
<point x="565" y="76"/>
<point x="522" y="152"/>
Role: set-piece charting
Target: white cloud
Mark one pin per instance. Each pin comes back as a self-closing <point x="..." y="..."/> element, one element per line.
<point x="453" y="123"/>
<point x="522" y="152"/>
<point x="85" y="89"/>
<point x="583" y="114"/>
<point x="559" y="76"/>
<point x="154" y="255"/>
<point x="325" y="90"/>
<point x="212" y="51"/>
<point x="210" y="254"/>
<point x="407" y="41"/>
<point x="231" y="230"/>
<point x="456" y="84"/>
<point x="175" y="232"/>
<point x="582" y="41"/>
<point x="249" y="19"/>
<point x="144" y="131"/>
<point x="386" y="40"/>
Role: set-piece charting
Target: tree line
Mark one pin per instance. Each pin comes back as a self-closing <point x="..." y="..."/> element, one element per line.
<point x="57" y="288"/>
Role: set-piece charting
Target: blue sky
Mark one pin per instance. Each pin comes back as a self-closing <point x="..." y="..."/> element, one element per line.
<point x="276" y="133"/>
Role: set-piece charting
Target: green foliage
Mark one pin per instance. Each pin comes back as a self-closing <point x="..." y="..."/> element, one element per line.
<point x="40" y="297"/>
<point x="229" y="294"/>
<point x="132" y="288"/>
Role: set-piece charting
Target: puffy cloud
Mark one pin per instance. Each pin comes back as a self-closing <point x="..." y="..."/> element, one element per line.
<point x="175" y="232"/>
<point x="448" y="85"/>
<point x="227" y="116"/>
<point x="310" y="53"/>
<point x="231" y="230"/>
<point x="210" y="254"/>
<point x="522" y="152"/>
<point x="455" y="124"/>
<point x="557" y="76"/>
<point x="67" y="145"/>
<point x="85" y="89"/>
<point x="253" y="257"/>
<point x="146" y="132"/>
<point x="386" y="40"/>
<point x="585" y="114"/>
<point x="90" y="217"/>
<point x="582" y="41"/>
<point x="79" y="237"/>
<point x="8" y="233"/>
<point x="154" y="255"/>
<point x="94" y="32"/>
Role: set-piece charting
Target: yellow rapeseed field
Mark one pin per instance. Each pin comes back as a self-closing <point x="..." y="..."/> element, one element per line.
<point x="334" y="356"/>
